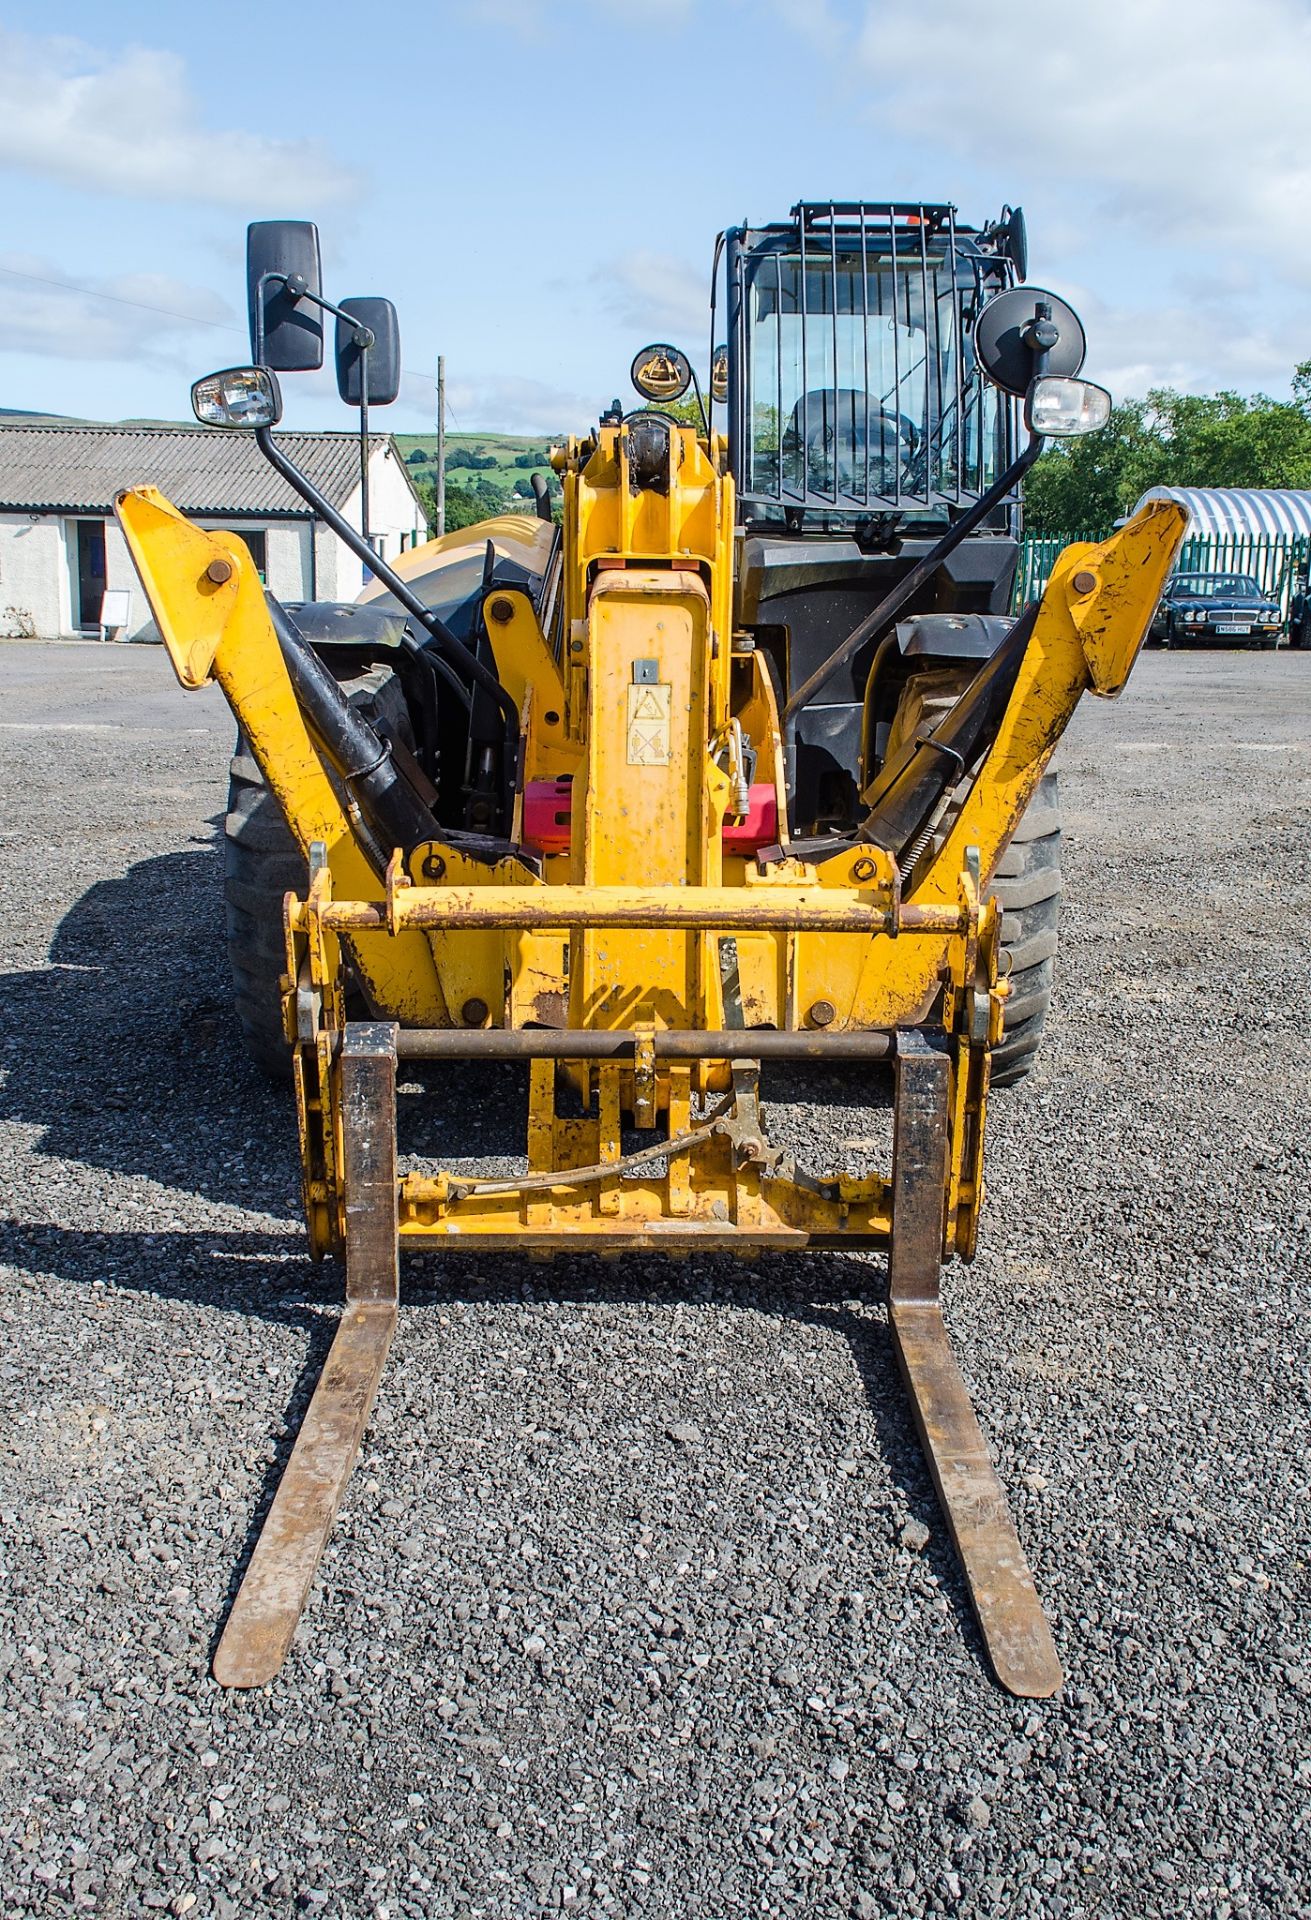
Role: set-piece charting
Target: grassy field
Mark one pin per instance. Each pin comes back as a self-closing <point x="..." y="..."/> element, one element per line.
<point x="500" y="448"/>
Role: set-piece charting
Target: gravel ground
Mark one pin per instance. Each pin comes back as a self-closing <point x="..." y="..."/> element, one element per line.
<point x="641" y="1604"/>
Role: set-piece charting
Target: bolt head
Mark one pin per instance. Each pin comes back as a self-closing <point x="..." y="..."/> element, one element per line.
<point x="500" y="610"/>
<point x="218" y="571"/>
<point x="1083" y="581"/>
<point x="822" y="1013"/>
<point x="473" y="1012"/>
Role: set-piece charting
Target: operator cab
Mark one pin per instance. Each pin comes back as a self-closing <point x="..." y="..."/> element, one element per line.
<point x="861" y="424"/>
<point x="854" y="391"/>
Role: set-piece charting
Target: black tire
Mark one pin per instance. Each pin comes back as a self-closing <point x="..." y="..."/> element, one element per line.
<point x="1027" y="887"/>
<point x="261" y="862"/>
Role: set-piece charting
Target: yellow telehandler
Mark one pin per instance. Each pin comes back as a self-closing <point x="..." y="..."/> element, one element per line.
<point x="741" y="763"/>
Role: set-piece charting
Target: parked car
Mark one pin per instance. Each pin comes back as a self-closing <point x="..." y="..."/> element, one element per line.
<point x="1217" y="606"/>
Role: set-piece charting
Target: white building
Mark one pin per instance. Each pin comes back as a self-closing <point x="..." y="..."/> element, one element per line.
<point x="61" y="549"/>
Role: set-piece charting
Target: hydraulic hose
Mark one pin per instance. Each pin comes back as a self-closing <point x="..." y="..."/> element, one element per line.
<point x="907" y="793"/>
<point x="361" y="756"/>
<point x="454" y="650"/>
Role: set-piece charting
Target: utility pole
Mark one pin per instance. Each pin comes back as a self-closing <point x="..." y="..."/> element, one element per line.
<point x="441" y="444"/>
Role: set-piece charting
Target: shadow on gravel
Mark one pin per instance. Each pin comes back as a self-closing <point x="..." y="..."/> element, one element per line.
<point x="269" y="1277"/>
<point x="124" y="1051"/>
<point x="124" y="1054"/>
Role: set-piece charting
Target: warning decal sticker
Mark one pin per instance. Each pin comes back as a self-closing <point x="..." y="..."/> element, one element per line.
<point x="648" y="724"/>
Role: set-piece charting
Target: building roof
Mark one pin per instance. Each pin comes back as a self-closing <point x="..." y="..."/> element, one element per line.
<point x="201" y="469"/>
<point x="1229" y="512"/>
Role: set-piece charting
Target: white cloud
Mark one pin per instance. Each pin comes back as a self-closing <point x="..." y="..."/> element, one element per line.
<point x="506" y="403"/>
<point x="130" y="124"/>
<point x="1182" y="119"/>
<point x="1194" y="347"/>
<point x="127" y="316"/>
<point x="656" y="294"/>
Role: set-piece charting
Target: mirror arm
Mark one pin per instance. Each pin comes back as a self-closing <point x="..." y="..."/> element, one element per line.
<point x="364" y="339"/>
<point x="454" y="650"/>
<point x="364" y="336"/>
<point x="892" y="603"/>
<point x="701" y="405"/>
<point x="364" y="442"/>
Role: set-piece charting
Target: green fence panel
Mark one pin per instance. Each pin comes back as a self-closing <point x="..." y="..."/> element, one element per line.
<point x="1274" y="561"/>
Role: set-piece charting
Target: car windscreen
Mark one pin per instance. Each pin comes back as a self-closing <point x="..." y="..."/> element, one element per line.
<point x="1217" y="586"/>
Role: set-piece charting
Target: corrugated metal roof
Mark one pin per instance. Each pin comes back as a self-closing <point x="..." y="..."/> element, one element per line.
<point x="1225" y="512"/>
<point x="201" y="469"/>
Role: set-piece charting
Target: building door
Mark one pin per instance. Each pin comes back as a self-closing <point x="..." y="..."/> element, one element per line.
<point x="90" y="571"/>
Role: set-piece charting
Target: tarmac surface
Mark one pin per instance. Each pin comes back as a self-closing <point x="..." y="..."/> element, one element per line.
<point x="640" y="1603"/>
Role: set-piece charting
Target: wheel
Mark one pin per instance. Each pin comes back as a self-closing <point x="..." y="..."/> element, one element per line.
<point x="1027" y="888"/>
<point x="261" y="862"/>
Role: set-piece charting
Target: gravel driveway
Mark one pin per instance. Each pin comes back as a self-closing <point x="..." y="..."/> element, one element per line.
<point x="625" y="1615"/>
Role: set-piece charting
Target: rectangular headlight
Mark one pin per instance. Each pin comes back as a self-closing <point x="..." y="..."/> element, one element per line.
<point x="237" y="397"/>
<point x="1066" y="407"/>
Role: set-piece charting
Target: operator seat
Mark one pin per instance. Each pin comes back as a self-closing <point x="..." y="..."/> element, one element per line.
<point x="824" y="442"/>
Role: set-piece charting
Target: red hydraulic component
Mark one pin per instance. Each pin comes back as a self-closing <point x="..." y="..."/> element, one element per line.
<point x="758" y="826"/>
<point x="547" y="813"/>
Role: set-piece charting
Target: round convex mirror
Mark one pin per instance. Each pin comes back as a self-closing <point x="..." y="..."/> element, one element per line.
<point x="661" y="372"/>
<point x="1001" y="338"/>
<point x="719" y="375"/>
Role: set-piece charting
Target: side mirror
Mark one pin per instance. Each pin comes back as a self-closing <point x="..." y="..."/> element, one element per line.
<point x="661" y="373"/>
<point x="1065" y="408"/>
<point x="719" y="375"/>
<point x="237" y="397"/>
<point x="1006" y="337"/>
<point x="282" y="265"/>
<point x="1014" y="236"/>
<point x="383" y="353"/>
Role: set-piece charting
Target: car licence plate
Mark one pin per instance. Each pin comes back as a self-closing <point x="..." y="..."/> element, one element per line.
<point x="1236" y="626"/>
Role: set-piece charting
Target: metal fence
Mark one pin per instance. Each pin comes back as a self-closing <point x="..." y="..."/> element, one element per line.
<point x="1038" y="555"/>
<point x="1272" y="560"/>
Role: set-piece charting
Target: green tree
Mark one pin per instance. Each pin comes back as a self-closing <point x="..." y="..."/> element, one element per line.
<point x="1078" y="486"/>
<point x="1172" y="439"/>
<point x="472" y="457"/>
<point x="686" y="411"/>
<point x="465" y="505"/>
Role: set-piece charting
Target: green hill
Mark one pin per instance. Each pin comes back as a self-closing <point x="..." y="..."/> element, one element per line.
<point x="486" y="473"/>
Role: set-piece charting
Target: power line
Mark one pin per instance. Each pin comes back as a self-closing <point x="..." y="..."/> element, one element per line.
<point x="119" y="300"/>
<point x="168" y="313"/>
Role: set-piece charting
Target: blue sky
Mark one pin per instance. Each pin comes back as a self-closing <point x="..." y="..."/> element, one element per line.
<point x="537" y="183"/>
